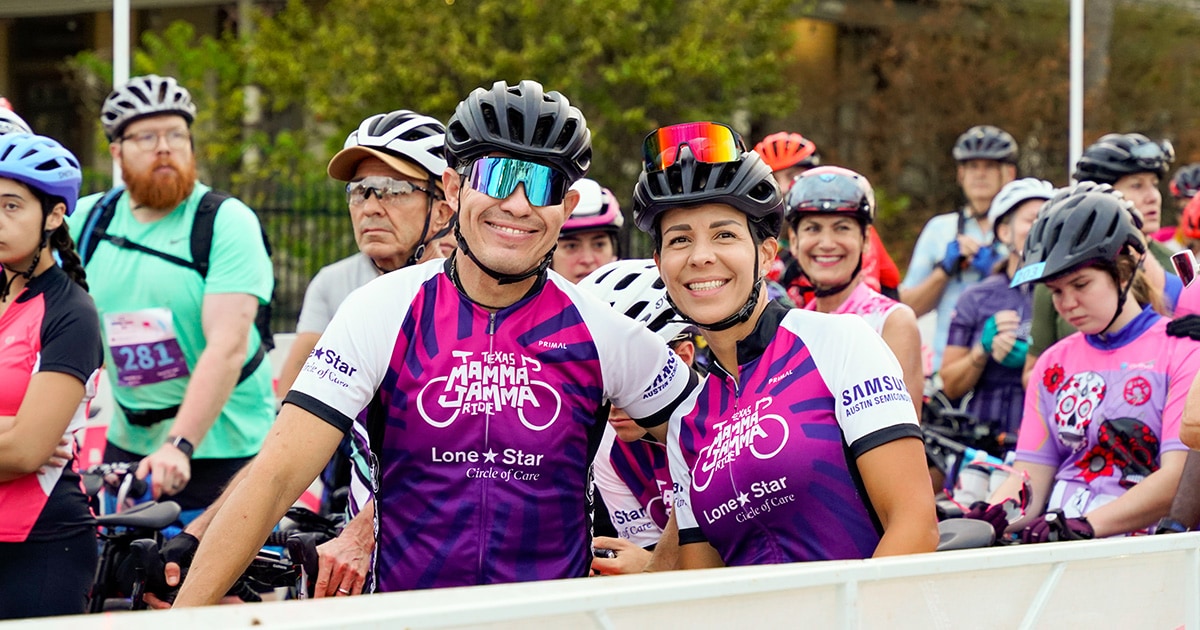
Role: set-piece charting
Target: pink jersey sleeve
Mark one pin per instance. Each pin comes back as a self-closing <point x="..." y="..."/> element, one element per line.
<point x="1035" y="443"/>
<point x="1189" y="300"/>
<point x="1183" y="371"/>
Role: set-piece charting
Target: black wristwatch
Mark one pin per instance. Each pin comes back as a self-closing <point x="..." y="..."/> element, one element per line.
<point x="182" y="443"/>
<point x="1169" y="525"/>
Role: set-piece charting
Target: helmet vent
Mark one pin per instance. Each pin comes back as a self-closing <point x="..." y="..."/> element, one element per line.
<point x="1081" y="236"/>
<point x="490" y="120"/>
<point x="674" y="182"/>
<point x="725" y="175"/>
<point x="662" y="320"/>
<point x="541" y="132"/>
<point x="568" y="132"/>
<point x="516" y="124"/>
<point x="634" y="309"/>
<point x="625" y="282"/>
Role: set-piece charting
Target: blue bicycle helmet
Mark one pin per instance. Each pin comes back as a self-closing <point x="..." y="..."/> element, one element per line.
<point x="41" y="163"/>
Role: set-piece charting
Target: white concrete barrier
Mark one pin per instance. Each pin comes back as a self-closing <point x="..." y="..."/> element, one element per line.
<point x="1144" y="583"/>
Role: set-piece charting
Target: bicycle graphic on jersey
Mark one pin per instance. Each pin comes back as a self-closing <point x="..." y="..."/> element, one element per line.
<point x="489" y="383"/>
<point x="764" y="435"/>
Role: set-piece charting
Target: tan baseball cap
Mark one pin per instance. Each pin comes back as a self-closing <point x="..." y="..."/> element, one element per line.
<point x="346" y="161"/>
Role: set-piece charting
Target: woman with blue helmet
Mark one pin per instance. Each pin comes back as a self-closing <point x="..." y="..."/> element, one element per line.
<point x="803" y="442"/>
<point x="49" y="364"/>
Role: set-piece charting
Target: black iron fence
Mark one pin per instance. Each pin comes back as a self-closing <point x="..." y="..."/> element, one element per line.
<point x="308" y="227"/>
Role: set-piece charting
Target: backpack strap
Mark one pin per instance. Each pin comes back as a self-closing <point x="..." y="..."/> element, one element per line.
<point x="97" y="220"/>
<point x="202" y="229"/>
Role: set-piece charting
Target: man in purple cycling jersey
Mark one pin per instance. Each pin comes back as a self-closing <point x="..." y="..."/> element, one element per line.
<point x="484" y="378"/>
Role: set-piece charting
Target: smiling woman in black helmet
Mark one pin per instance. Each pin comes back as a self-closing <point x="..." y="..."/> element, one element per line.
<point x="803" y="444"/>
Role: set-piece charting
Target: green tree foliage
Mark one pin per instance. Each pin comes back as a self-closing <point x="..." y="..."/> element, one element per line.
<point x="630" y="65"/>
<point x="212" y="69"/>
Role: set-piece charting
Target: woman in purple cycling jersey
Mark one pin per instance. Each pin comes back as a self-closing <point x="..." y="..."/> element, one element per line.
<point x="828" y="212"/>
<point x="803" y="443"/>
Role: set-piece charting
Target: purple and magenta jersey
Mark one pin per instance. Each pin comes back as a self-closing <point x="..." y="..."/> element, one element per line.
<point x="634" y="479"/>
<point x="1103" y="411"/>
<point x="482" y="424"/>
<point x="766" y="464"/>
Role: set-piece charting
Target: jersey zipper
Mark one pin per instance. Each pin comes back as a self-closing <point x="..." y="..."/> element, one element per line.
<point x="486" y="485"/>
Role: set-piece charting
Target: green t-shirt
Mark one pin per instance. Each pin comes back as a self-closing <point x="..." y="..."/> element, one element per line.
<point x="1047" y="327"/>
<point x="141" y="297"/>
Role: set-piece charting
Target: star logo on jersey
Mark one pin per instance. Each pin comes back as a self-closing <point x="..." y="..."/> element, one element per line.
<point x="489" y="456"/>
<point x="317" y="352"/>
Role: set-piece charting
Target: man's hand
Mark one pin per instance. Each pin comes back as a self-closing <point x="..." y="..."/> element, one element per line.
<point x="629" y="558"/>
<point x="985" y="260"/>
<point x="169" y="468"/>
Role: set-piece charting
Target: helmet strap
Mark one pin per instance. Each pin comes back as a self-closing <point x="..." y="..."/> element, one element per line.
<point x="741" y="315"/>
<point x="1123" y="294"/>
<point x="419" y="250"/>
<point x="6" y="284"/>
<point x="838" y="288"/>
<point x="504" y="278"/>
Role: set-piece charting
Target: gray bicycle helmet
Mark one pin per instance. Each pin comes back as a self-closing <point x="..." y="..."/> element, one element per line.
<point x="1116" y="155"/>
<point x="986" y="142"/>
<point x="522" y="121"/>
<point x="401" y="139"/>
<point x="1079" y="225"/>
<point x="745" y="184"/>
<point x="143" y="96"/>
<point x="1186" y="182"/>
<point x="10" y="122"/>
<point x="634" y="289"/>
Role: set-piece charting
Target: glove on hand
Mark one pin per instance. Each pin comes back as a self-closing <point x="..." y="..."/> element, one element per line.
<point x="985" y="260"/>
<point x="1053" y="526"/>
<point x="994" y="515"/>
<point x="1186" y="326"/>
<point x="953" y="258"/>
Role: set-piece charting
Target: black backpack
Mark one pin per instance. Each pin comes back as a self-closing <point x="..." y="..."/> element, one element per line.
<point x="101" y="215"/>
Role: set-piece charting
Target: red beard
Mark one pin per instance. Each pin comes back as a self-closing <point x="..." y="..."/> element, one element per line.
<point x="161" y="189"/>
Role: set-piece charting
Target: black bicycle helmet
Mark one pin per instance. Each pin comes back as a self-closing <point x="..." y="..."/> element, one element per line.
<point x="986" y="142"/>
<point x="1116" y="155"/>
<point x="1079" y="225"/>
<point x="1184" y="185"/>
<point x="148" y="95"/>
<point x="830" y="190"/>
<point x="745" y="184"/>
<point x="522" y="121"/>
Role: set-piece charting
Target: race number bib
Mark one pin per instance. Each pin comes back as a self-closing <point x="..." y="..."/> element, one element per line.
<point x="144" y="347"/>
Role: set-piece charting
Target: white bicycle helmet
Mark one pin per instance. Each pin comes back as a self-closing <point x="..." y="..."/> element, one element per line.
<point x="145" y="96"/>
<point x="405" y="134"/>
<point x="634" y="288"/>
<point x="10" y="122"/>
<point x="1016" y="193"/>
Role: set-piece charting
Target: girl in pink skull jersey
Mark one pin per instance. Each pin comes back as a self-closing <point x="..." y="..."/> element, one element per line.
<point x="1100" y="435"/>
